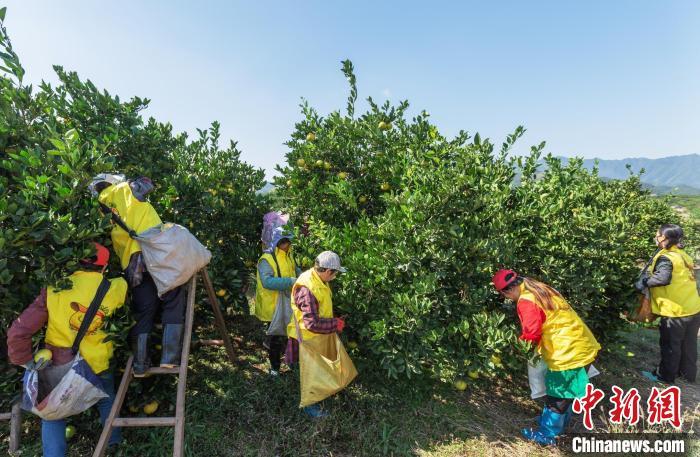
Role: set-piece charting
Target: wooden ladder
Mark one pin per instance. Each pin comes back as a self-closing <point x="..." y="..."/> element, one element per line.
<point x="177" y="421"/>
<point x="15" y="418"/>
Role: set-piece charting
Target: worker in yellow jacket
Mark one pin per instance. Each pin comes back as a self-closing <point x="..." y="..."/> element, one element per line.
<point x="563" y="341"/>
<point x="276" y="273"/>
<point x="675" y="298"/>
<point x="62" y="312"/>
<point x="128" y="200"/>
<point x="312" y="306"/>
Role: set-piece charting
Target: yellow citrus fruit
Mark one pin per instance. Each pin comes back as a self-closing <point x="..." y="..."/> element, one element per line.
<point x="342" y="175"/>
<point x="221" y="292"/>
<point x="249" y="263"/>
<point x="385" y="186"/>
<point x="319" y="163"/>
<point x="301" y="162"/>
<point x="70" y="431"/>
<point x="496" y="359"/>
<point x="363" y="199"/>
<point x="473" y="374"/>
<point x="327" y="165"/>
<point x="289" y="183"/>
<point x="134" y="409"/>
<point x="310" y="136"/>
<point x="43" y="354"/>
<point x="352" y="344"/>
<point x="384" y="125"/>
<point x="151" y="407"/>
<point x="460" y="384"/>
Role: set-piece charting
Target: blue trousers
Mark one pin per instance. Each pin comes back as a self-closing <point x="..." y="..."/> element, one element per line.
<point x="53" y="433"/>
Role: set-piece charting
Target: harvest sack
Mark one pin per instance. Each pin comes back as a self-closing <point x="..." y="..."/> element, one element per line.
<point x="282" y="315"/>
<point x="325" y="367"/>
<point x="60" y="391"/>
<point x="172" y="255"/>
<point x="536" y="377"/>
<point x="78" y="389"/>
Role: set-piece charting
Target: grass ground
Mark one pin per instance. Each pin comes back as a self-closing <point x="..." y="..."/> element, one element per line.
<point x="240" y="411"/>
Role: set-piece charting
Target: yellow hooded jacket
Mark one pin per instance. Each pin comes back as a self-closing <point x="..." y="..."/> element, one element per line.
<point x="566" y="342"/>
<point x="137" y="215"/>
<point x="323" y="294"/>
<point x="67" y="308"/>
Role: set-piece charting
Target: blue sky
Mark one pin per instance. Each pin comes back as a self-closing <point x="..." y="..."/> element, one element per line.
<point x="608" y="79"/>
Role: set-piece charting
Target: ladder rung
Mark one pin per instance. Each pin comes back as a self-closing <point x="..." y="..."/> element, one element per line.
<point x="160" y="370"/>
<point x="5" y="416"/>
<point x="144" y="422"/>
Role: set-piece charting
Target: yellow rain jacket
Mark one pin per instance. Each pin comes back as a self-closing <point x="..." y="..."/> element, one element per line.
<point x="323" y="294"/>
<point x="137" y="215"/>
<point x="566" y="342"/>
<point x="67" y="308"/>
<point x="680" y="298"/>
<point x="266" y="299"/>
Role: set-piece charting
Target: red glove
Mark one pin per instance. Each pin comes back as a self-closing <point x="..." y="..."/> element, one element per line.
<point x="341" y="324"/>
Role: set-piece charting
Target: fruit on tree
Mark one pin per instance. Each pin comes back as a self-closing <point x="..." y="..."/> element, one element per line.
<point x="319" y="163"/>
<point x="352" y="344"/>
<point x="342" y="175"/>
<point x="473" y="374"/>
<point x="43" y="354"/>
<point x="70" y="432"/>
<point x="460" y="384"/>
<point x="362" y="199"/>
<point x="289" y="183"/>
<point x="385" y="186"/>
<point x="496" y="360"/>
<point x="301" y="162"/>
<point x="221" y="293"/>
<point x="384" y="125"/>
<point x="327" y="165"/>
<point x="249" y="263"/>
<point x="311" y="136"/>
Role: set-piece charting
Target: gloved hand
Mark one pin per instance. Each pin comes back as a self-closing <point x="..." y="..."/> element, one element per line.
<point x="641" y="283"/>
<point x="341" y="325"/>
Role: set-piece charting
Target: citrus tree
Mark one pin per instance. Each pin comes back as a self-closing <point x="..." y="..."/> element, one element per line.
<point x="53" y="139"/>
<point x="422" y="221"/>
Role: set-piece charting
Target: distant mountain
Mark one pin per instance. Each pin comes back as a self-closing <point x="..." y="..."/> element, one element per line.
<point x="675" y="190"/>
<point x="675" y="174"/>
<point x="269" y="187"/>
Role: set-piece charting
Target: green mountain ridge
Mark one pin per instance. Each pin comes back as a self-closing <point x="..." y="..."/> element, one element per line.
<point x="674" y="174"/>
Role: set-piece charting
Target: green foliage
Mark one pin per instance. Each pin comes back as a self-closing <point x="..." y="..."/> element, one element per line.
<point x="421" y="251"/>
<point x="54" y="139"/>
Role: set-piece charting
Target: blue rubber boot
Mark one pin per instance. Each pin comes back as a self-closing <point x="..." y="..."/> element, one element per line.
<point x="551" y="425"/>
<point x="315" y="411"/>
<point x="567" y="416"/>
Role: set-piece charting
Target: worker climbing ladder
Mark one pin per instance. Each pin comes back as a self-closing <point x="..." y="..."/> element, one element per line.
<point x="177" y="421"/>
